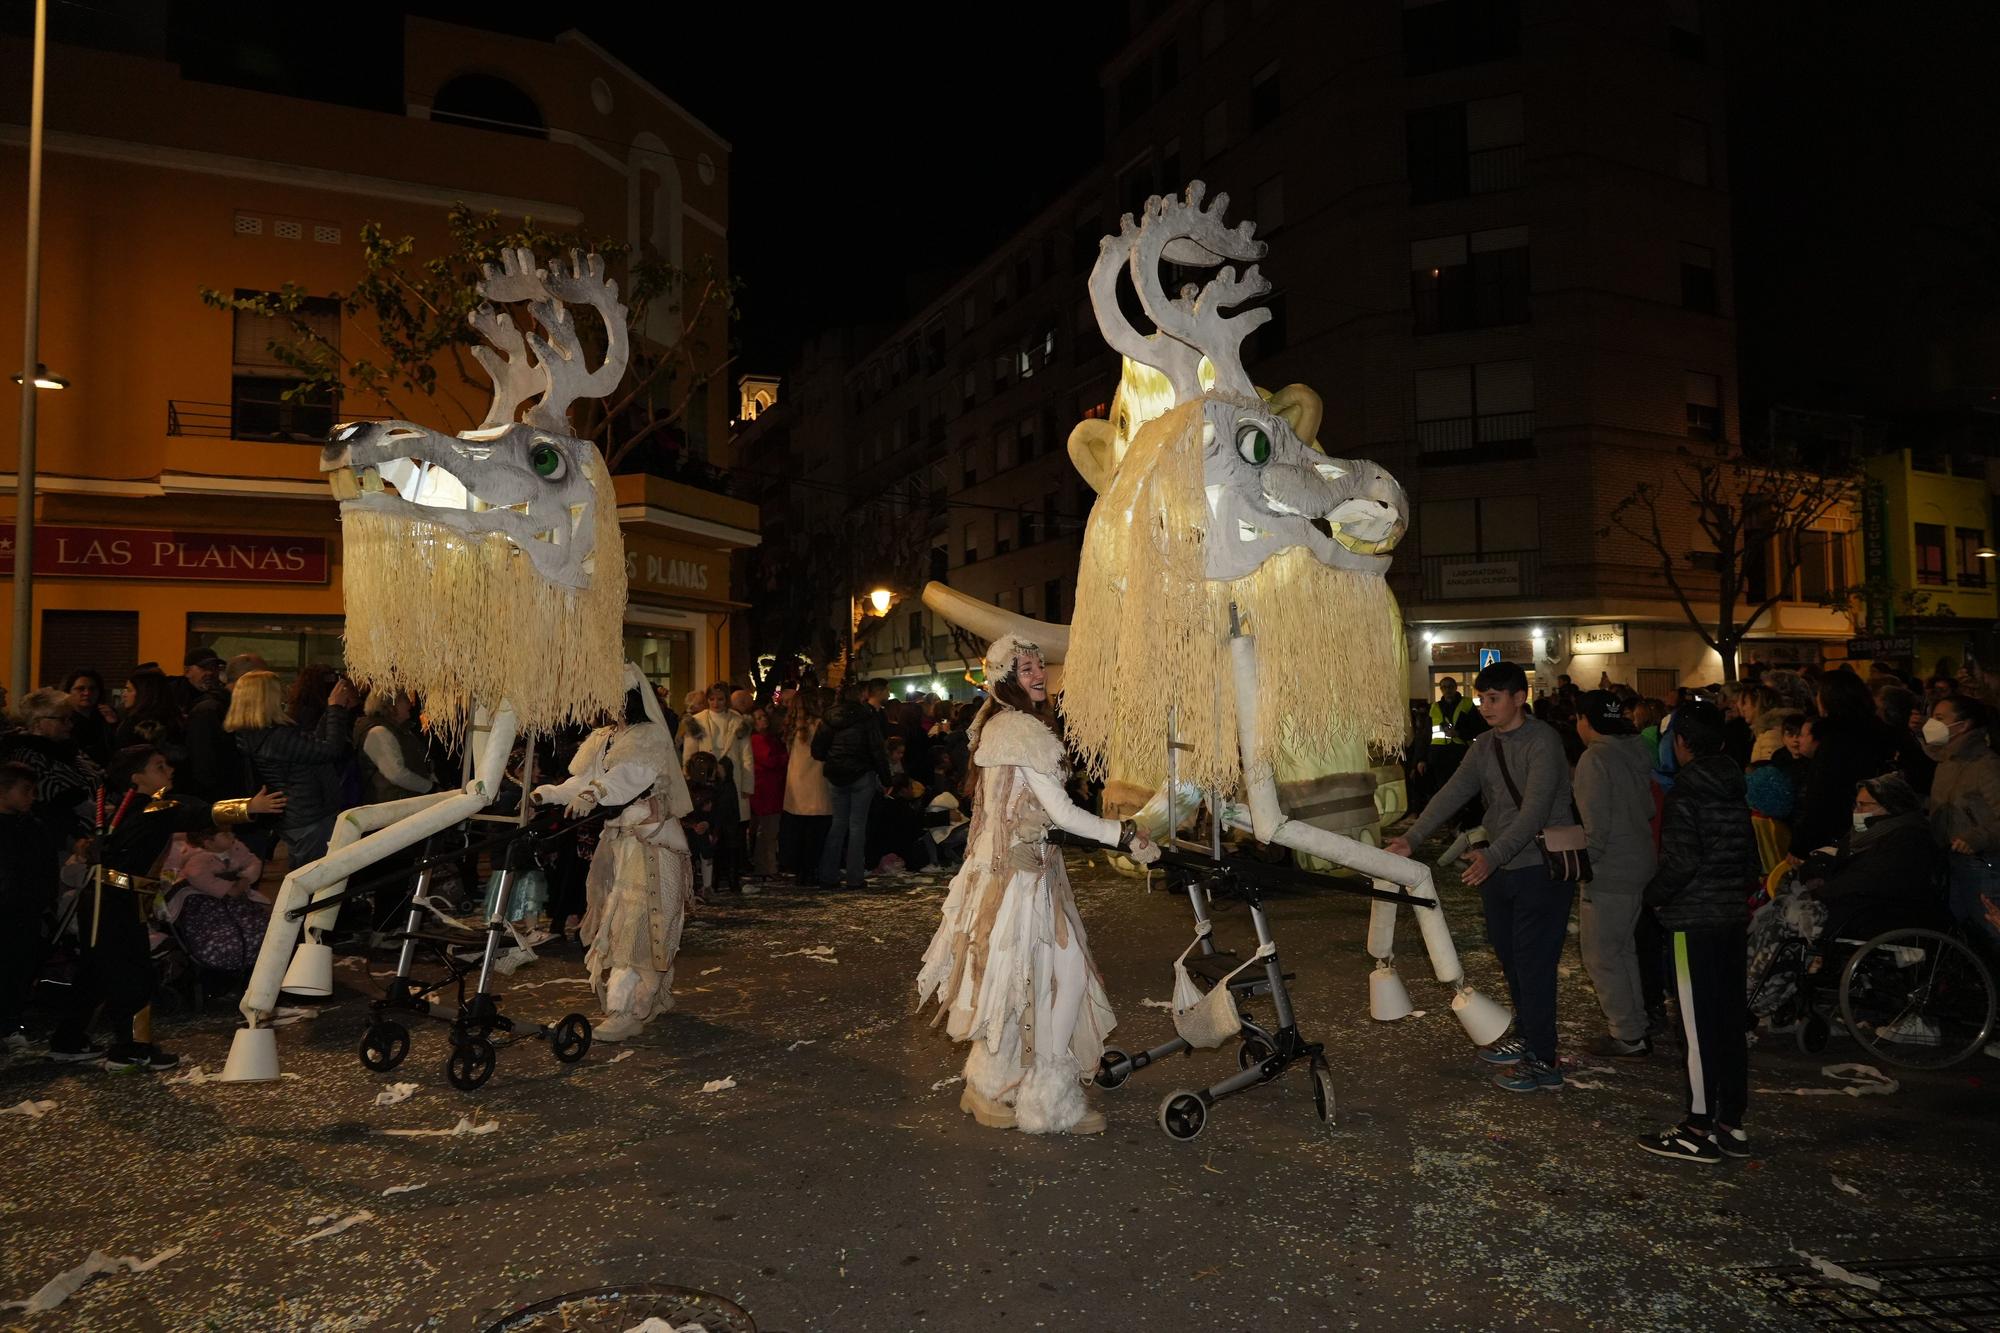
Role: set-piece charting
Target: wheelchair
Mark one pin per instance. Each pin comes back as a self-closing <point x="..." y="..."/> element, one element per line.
<point x="1910" y="986"/>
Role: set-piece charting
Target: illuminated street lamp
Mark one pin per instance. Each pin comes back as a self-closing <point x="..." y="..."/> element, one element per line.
<point x="44" y="380"/>
<point x="881" y="599"/>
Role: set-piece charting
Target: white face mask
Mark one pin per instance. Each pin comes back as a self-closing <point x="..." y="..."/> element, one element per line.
<point x="1936" y="732"/>
<point x="1861" y="822"/>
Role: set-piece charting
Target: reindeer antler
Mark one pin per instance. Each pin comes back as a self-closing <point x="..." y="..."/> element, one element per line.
<point x="516" y="376"/>
<point x="1183" y="231"/>
<point x="561" y="353"/>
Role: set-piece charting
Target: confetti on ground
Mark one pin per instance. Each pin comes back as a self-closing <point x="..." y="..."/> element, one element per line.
<point x="807" y="1041"/>
<point x="395" y="1093"/>
<point x="463" y="1127"/>
<point x="32" y="1110"/>
<point x="1860" y="1081"/>
<point x="1157" y="1004"/>
<point x="287" y="1014"/>
<point x="718" y="1085"/>
<point x="404" y="1189"/>
<point x="335" y="1228"/>
<point x="1845" y="1186"/>
<point x="944" y="1083"/>
<point x="622" y="1055"/>
<point x="655" y="1324"/>
<point x="64" y="1285"/>
<point x="553" y="981"/>
<point x="816" y="951"/>
<point x="710" y="971"/>
<point x="1827" y="1268"/>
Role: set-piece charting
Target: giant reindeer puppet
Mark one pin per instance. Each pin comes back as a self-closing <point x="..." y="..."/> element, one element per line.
<point x="1216" y="508"/>
<point x="483" y="573"/>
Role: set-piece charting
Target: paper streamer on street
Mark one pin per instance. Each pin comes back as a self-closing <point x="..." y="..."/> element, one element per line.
<point x="807" y="1041"/>
<point x="823" y="952"/>
<point x="196" y="1076"/>
<point x="622" y="1055"/>
<point x="1156" y="1004"/>
<point x="404" y="1189"/>
<point x="1828" y="1268"/>
<point x="32" y="1110"/>
<point x="1846" y="1186"/>
<point x="553" y="981"/>
<point x="395" y="1093"/>
<point x="65" y="1285"/>
<point x="463" y="1127"/>
<point x="718" y="1085"/>
<point x="1858" y="1081"/>
<point x="335" y="1228"/>
<point x="944" y="1083"/>
<point x="655" y="1324"/>
<point x="290" y="1014"/>
<point x="710" y="971"/>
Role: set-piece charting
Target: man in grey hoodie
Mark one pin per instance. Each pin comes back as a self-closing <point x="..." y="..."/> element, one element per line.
<point x="1521" y="771"/>
<point x="1614" y="797"/>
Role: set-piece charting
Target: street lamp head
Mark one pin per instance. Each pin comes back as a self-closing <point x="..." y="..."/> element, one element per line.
<point x="1986" y="553"/>
<point x="44" y="380"/>
<point x="881" y="599"/>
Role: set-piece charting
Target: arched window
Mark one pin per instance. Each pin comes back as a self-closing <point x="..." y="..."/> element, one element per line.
<point x="488" y="102"/>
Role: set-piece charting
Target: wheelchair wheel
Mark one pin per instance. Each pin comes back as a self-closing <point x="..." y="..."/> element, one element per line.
<point x="384" y="1045"/>
<point x="1106" y="1063"/>
<point x="570" y="1041"/>
<point x="1918" y="998"/>
<point x="470" y="1063"/>
<point x="1183" y="1115"/>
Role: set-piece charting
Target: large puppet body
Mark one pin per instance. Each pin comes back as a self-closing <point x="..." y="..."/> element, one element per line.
<point x="641" y="879"/>
<point x="1231" y="594"/>
<point x="484" y="574"/>
<point x="1009" y="965"/>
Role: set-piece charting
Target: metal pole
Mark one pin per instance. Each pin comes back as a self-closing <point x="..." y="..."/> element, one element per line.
<point x="24" y="471"/>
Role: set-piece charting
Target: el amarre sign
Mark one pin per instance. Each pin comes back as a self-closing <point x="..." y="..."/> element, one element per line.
<point x="154" y="554"/>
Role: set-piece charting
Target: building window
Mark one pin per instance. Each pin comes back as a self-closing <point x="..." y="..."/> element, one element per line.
<point x="1167" y="64"/>
<point x="1167" y="171"/>
<point x="1684" y="33"/>
<point x="1135" y="93"/>
<point x="1003" y="451"/>
<point x="1000" y="293"/>
<point x="1027" y="528"/>
<point x="1085" y="240"/>
<point x="1025" y="436"/>
<point x="1445" y="34"/>
<point x="1971" y="569"/>
<point x="941" y="561"/>
<point x="1003" y="370"/>
<point x="1052" y="600"/>
<point x="1214" y="26"/>
<point x="916" y="631"/>
<point x="968" y="391"/>
<point x="1691" y="150"/>
<point x="1822" y="567"/>
<point x="1024" y="274"/>
<point x="1269" y="206"/>
<point x="1466" y="413"/>
<point x="1930" y="554"/>
<point x="1474" y="281"/>
<point x="971" y="544"/>
<point x="1704" y="405"/>
<point x="1486" y="547"/>
<point x="1003" y="533"/>
<point x="269" y="400"/>
<point x="1698" y="290"/>
<point x="1214" y="131"/>
<point x="1264" y="99"/>
<point x="1466" y="148"/>
<point x="971" y="314"/>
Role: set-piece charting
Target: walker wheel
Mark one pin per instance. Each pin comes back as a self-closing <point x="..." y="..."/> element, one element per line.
<point x="384" y="1045"/>
<point x="1107" y="1076"/>
<point x="1254" y="1051"/>
<point x="1813" y="1034"/>
<point x="470" y="1063"/>
<point x="1183" y="1115"/>
<point x="571" y="1039"/>
<point x="1323" y="1093"/>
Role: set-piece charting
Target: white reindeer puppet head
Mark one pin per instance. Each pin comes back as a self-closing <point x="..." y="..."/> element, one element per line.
<point x="489" y="565"/>
<point x="1212" y="495"/>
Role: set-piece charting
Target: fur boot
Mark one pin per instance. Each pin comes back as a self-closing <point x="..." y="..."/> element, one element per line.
<point x="1050" y="1101"/>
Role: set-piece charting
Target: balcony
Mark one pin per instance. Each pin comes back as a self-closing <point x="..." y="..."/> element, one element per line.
<point x="1476" y="439"/>
<point x="1491" y="169"/>
<point x="268" y="418"/>
<point x="1487" y="574"/>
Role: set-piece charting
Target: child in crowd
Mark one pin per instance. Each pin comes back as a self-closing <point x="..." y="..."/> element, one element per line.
<point x="699" y="824"/>
<point x="221" y="912"/>
<point x="728" y="836"/>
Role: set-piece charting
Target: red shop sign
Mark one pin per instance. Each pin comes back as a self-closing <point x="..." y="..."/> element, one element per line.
<point x="156" y="553"/>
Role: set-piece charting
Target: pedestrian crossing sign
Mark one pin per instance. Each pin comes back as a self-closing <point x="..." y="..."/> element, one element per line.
<point x="1488" y="657"/>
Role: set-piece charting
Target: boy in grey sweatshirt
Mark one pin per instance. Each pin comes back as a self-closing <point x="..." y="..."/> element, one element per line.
<point x="1527" y="912"/>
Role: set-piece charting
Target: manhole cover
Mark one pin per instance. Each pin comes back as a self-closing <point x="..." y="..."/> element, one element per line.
<point x="627" y="1307"/>
<point x="1958" y="1295"/>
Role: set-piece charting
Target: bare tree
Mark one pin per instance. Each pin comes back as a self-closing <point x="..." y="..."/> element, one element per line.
<point x="1746" y="507"/>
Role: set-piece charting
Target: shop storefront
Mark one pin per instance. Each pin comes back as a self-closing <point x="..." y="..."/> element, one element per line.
<point x="679" y="616"/>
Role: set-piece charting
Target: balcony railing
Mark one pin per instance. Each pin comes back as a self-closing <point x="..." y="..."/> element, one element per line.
<point x="270" y="419"/>
<point x="1492" y="169"/>
<point x="1460" y="439"/>
<point x="1484" y="575"/>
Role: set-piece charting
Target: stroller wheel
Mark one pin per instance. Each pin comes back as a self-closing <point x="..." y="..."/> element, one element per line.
<point x="1813" y="1034"/>
<point x="571" y="1039"/>
<point x="1254" y="1051"/>
<point x="1107" y="1064"/>
<point x="1183" y="1115"/>
<point x="470" y="1063"/>
<point x="1323" y="1093"/>
<point x="384" y="1045"/>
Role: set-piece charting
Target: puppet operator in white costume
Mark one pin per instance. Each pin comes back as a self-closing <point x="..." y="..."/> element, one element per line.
<point x="1009" y="965"/>
<point x="641" y="878"/>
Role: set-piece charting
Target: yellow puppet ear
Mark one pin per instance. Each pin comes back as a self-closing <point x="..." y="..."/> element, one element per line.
<point x="1301" y="409"/>
<point x="1093" y="448"/>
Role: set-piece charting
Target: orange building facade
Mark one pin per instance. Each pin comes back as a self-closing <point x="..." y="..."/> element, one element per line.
<point x="178" y="498"/>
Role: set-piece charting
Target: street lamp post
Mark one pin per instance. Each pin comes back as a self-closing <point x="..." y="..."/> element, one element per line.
<point x="24" y="472"/>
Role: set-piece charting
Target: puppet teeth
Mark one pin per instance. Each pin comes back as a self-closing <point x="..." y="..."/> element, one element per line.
<point x="1246" y="533"/>
<point x="341" y="480"/>
<point x="371" y="480"/>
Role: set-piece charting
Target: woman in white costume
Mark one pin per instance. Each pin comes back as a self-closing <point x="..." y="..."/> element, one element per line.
<point x="1009" y="965"/>
<point x="641" y="878"/>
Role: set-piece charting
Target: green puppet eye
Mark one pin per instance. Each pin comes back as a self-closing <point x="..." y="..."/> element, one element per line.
<point x="547" y="461"/>
<point x="1253" y="446"/>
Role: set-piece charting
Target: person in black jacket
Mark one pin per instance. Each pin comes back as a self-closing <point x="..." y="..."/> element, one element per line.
<point x="1708" y="862"/>
<point x="304" y="765"/>
<point x="28" y="887"/>
<point x="1849" y="746"/>
<point x="856" y="756"/>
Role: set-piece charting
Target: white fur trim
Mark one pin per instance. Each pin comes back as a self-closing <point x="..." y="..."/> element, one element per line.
<point x="994" y="1074"/>
<point x="1013" y="739"/>
<point x="1050" y="1101"/>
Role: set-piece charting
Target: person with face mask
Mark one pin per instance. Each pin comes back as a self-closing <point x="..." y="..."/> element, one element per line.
<point x="1965" y="806"/>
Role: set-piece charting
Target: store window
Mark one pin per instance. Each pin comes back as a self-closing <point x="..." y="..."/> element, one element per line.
<point x="665" y="657"/>
<point x="286" y="643"/>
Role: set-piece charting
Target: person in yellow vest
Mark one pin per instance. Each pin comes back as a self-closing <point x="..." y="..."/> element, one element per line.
<point x="1454" y="722"/>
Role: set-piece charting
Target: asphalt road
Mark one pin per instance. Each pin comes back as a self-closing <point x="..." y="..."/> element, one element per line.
<point x="837" y="1187"/>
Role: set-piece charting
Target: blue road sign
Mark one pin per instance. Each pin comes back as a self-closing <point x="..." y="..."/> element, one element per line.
<point x="1488" y="657"/>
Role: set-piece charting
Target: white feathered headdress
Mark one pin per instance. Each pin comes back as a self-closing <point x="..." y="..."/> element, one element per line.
<point x="1002" y="654"/>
